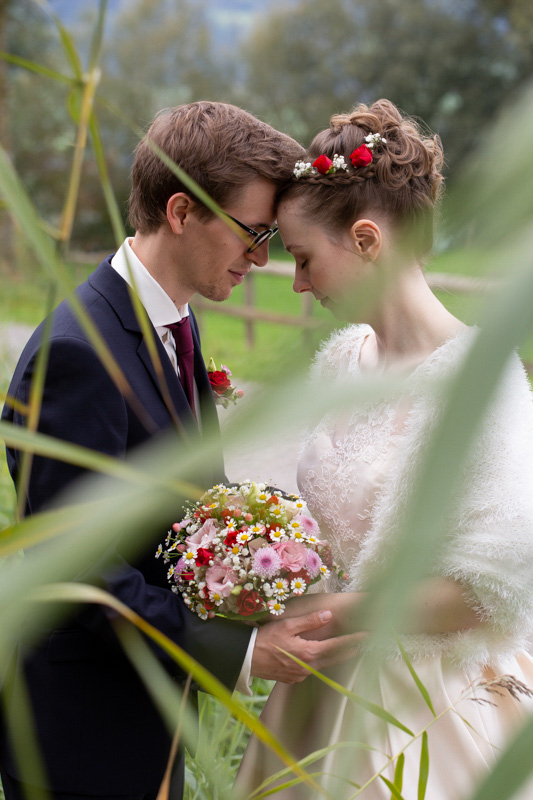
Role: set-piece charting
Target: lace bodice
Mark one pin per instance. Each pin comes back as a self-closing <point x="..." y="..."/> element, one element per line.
<point x="356" y="470"/>
<point x="345" y="459"/>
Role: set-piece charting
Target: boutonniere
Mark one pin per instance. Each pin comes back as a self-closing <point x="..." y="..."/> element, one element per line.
<point x="223" y="392"/>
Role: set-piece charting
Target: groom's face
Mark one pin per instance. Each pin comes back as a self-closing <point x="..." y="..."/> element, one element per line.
<point x="217" y="258"/>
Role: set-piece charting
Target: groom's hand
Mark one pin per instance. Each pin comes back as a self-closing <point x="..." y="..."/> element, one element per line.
<point x="270" y="663"/>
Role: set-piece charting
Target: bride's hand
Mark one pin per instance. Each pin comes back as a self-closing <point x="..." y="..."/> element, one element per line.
<point x="343" y="605"/>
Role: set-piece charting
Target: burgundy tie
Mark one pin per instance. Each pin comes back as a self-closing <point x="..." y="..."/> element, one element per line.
<point x="185" y="353"/>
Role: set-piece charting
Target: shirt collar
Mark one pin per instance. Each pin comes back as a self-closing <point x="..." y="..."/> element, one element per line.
<point x="158" y="305"/>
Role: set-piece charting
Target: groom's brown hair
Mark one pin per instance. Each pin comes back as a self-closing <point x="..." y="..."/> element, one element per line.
<point x="222" y="147"/>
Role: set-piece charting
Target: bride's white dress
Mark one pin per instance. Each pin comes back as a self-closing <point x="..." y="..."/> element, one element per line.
<point x="355" y="473"/>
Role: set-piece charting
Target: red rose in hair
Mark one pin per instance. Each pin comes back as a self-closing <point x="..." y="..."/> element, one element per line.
<point x="322" y="164"/>
<point x="248" y="602"/>
<point x="203" y="557"/>
<point x="361" y="156"/>
<point x="219" y="381"/>
<point x="187" y="575"/>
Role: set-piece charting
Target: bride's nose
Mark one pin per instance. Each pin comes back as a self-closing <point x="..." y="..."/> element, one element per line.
<point x="301" y="282"/>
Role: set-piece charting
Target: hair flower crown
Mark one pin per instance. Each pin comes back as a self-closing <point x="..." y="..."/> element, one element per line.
<point x="323" y="165"/>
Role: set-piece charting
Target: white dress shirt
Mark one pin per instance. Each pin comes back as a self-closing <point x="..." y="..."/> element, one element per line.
<point x="161" y="311"/>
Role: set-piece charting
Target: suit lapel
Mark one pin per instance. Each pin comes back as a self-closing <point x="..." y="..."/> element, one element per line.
<point x="117" y="293"/>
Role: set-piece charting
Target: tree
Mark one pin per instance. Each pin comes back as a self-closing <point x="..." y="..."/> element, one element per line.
<point x="452" y="66"/>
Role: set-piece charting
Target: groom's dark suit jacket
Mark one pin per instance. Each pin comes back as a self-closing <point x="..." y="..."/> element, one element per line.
<point x="98" y="729"/>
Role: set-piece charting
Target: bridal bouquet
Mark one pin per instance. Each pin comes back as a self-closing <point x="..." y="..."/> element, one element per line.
<point x="242" y="551"/>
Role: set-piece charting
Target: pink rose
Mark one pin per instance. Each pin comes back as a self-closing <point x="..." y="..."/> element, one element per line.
<point x="293" y="555"/>
<point x="220" y="578"/>
<point x="203" y="536"/>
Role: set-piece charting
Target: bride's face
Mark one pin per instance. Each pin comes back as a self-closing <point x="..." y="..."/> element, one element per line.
<point x="325" y="266"/>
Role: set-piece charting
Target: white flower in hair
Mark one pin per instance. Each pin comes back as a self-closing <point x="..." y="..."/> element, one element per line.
<point x="339" y="162"/>
<point x="373" y="139"/>
<point x="303" y="168"/>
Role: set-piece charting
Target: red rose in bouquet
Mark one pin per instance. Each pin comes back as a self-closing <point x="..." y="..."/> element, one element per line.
<point x="249" y="602"/>
<point x="203" y="556"/>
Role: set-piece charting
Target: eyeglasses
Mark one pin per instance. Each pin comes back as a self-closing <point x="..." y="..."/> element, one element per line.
<point x="258" y="238"/>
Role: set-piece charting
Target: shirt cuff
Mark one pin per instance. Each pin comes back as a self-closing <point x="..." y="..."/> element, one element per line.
<point x="244" y="680"/>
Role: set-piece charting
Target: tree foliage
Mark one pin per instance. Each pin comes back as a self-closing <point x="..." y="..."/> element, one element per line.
<point x="454" y="65"/>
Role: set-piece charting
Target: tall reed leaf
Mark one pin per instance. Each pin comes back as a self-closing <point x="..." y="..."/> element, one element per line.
<point x="424" y="767"/>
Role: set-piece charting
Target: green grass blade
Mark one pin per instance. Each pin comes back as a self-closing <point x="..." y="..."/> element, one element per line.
<point x="395" y="793"/>
<point x="44" y="445"/>
<point x="378" y="711"/>
<point x="424" y="767"/>
<point x="398" y="772"/>
<point x="315" y="756"/>
<point x="421" y="688"/>
<point x="35" y="399"/>
<point x="67" y="42"/>
<point x="24" y="736"/>
<point x="97" y="37"/>
<point x="40" y="527"/>
<point x="39" y="69"/>
<point x="113" y="208"/>
<point x="277" y="789"/>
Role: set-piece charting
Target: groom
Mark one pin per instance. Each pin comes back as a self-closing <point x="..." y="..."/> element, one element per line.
<point x="99" y="733"/>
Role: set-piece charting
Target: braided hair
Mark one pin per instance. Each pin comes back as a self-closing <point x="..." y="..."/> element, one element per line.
<point x="404" y="178"/>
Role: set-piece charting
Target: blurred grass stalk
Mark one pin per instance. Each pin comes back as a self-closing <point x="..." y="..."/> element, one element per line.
<point x="131" y="500"/>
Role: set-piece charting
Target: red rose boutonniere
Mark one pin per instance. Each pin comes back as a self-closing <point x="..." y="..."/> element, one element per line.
<point x="223" y="392"/>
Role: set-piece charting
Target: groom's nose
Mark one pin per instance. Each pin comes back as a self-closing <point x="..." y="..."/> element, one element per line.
<point x="259" y="257"/>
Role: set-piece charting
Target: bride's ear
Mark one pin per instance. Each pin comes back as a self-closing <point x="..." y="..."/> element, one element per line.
<point x="366" y="239"/>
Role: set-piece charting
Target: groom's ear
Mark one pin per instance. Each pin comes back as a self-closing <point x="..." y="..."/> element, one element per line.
<point x="366" y="239"/>
<point x="179" y="206"/>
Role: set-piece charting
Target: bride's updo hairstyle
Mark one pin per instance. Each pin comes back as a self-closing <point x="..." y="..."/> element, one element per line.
<point x="403" y="179"/>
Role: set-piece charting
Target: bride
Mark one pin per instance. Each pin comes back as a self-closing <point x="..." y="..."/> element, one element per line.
<point x="360" y="212"/>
